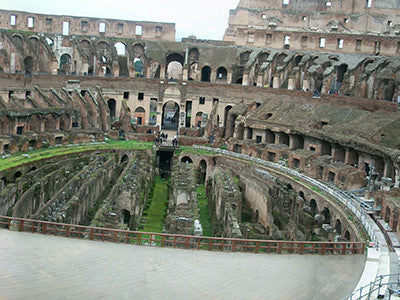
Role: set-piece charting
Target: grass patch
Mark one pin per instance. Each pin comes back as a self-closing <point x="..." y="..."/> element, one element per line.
<point x="35" y="155"/>
<point x="205" y="218"/>
<point x="155" y="213"/>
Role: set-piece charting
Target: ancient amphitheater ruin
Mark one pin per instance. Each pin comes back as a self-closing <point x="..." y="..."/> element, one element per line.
<point x="283" y="138"/>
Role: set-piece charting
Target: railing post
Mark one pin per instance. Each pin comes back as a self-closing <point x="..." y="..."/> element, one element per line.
<point x="380" y="284"/>
<point x="67" y="231"/>
<point x="162" y="241"/>
<point x="344" y="249"/>
<point x="21" y="225"/>
<point x="323" y="249"/>
<point x="210" y="245"/>
<point x="354" y="248"/>
<point x="279" y="248"/>
<point x="234" y="246"/>
<point x="222" y="245"/>
<point x="44" y="228"/>
<point x="186" y="243"/>
<point x="257" y="247"/>
<point x="115" y="236"/>
<point x="138" y="239"/>
<point x="55" y="230"/>
<point x="301" y="248"/>
<point x="91" y="236"/>
<point x="8" y="224"/>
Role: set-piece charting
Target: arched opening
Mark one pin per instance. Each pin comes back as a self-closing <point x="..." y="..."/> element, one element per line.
<point x="122" y="59"/>
<point x="227" y="109"/>
<point x="389" y="89"/>
<point x="341" y="70"/>
<point x="32" y="169"/>
<point x="222" y="74"/>
<point x="387" y="214"/>
<point x="313" y="206"/>
<point x="199" y="119"/>
<point x="256" y="216"/>
<point x="206" y="74"/>
<point x="170" y="116"/>
<point x="239" y="80"/>
<point x="153" y="112"/>
<point x="186" y="159"/>
<point x="17" y="175"/>
<point x="283" y="138"/>
<point x="301" y="194"/>
<point x="203" y="171"/>
<point x="28" y="65"/>
<point x="112" y="105"/>
<point x="338" y="227"/>
<point x="34" y="124"/>
<point x="175" y="64"/>
<point x="347" y="236"/>
<point x="244" y="57"/>
<point x="297" y="60"/>
<point x="106" y="71"/>
<point x="124" y="158"/>
<point x="65" y="122"/>
<point x="127" y="216"/>
<point x="270" y="136"/>
<point x="327" y="215"/>
<point x="138" y="67"/>
<point x="65" y="64"/>
<point x="289" y="187"/>
<point x="120" y="48"/>
<point x="140" y="115"/>
<point x="194" y="55"/>
<point x="155" y="69"/>
<point x="49" y="123"/>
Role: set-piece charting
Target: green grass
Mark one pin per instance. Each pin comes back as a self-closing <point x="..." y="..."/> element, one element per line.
<point x="159" y="203"/>
<point x="35" y="155"/>
<point x="205" y="219"/>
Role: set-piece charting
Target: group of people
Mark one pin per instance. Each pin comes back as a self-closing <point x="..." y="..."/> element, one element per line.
<point x="163" y="137"/>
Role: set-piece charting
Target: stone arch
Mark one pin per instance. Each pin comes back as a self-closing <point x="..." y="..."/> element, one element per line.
<point x="65" y="64"/>
<point x="187" y="159"/>
<point x="347" y="236"/>
<point x="28" y="65"/>
<point x="140" y="115"/>
<point x="199" y="119"/>
<point x="112" y="106"/>
<point x="340" y="72"/>
<point x="120" y="48"/>
<point x="314" y="207"/>
<point x="203" y="170"/>
<point x="244" y="57"/>
<point x="194" y="55"/>
<point x="170" y="115"/>
<point x="139" y="67"/>
<point x="301" y="195"/>
<point x="327" y="215"/>
<point x="35" y="124"/>
<point x="155" y="69"/>
<point x="124" y="158"/>
<point x="17" y="175"/>
<point x="174" y="69"/>
<point x="138" y="50"/>
<point x="297" y="59"/>
<point x="206" y="74"/>
<point x="388" y="212"/>
<point x="222" y="74"/>
<point x="263" y="57"/>
<point x="65" y="122"/>
<point x="338" y="227"/>
<point x="49" y="123"/>
<point x="5" y="125"/>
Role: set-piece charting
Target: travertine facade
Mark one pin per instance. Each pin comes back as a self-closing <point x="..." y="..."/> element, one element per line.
<point x="345" y="26"/>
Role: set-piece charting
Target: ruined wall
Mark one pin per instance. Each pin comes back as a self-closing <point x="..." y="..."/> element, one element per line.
<point x="87" y="26"/>
<point x="345" y="26"/>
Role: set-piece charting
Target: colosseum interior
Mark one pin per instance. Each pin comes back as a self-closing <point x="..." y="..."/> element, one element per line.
<point x="287" y="129"/>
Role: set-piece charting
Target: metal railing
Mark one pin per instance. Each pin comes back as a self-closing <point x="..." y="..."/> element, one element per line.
<point x="366" y="291"/>
<point x="180" y="241"/>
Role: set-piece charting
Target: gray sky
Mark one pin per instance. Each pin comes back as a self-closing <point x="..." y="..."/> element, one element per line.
<point x="206" y="19"/>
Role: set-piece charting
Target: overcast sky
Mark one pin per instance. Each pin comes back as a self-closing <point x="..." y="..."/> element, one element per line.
<point x="206" y="19"/>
